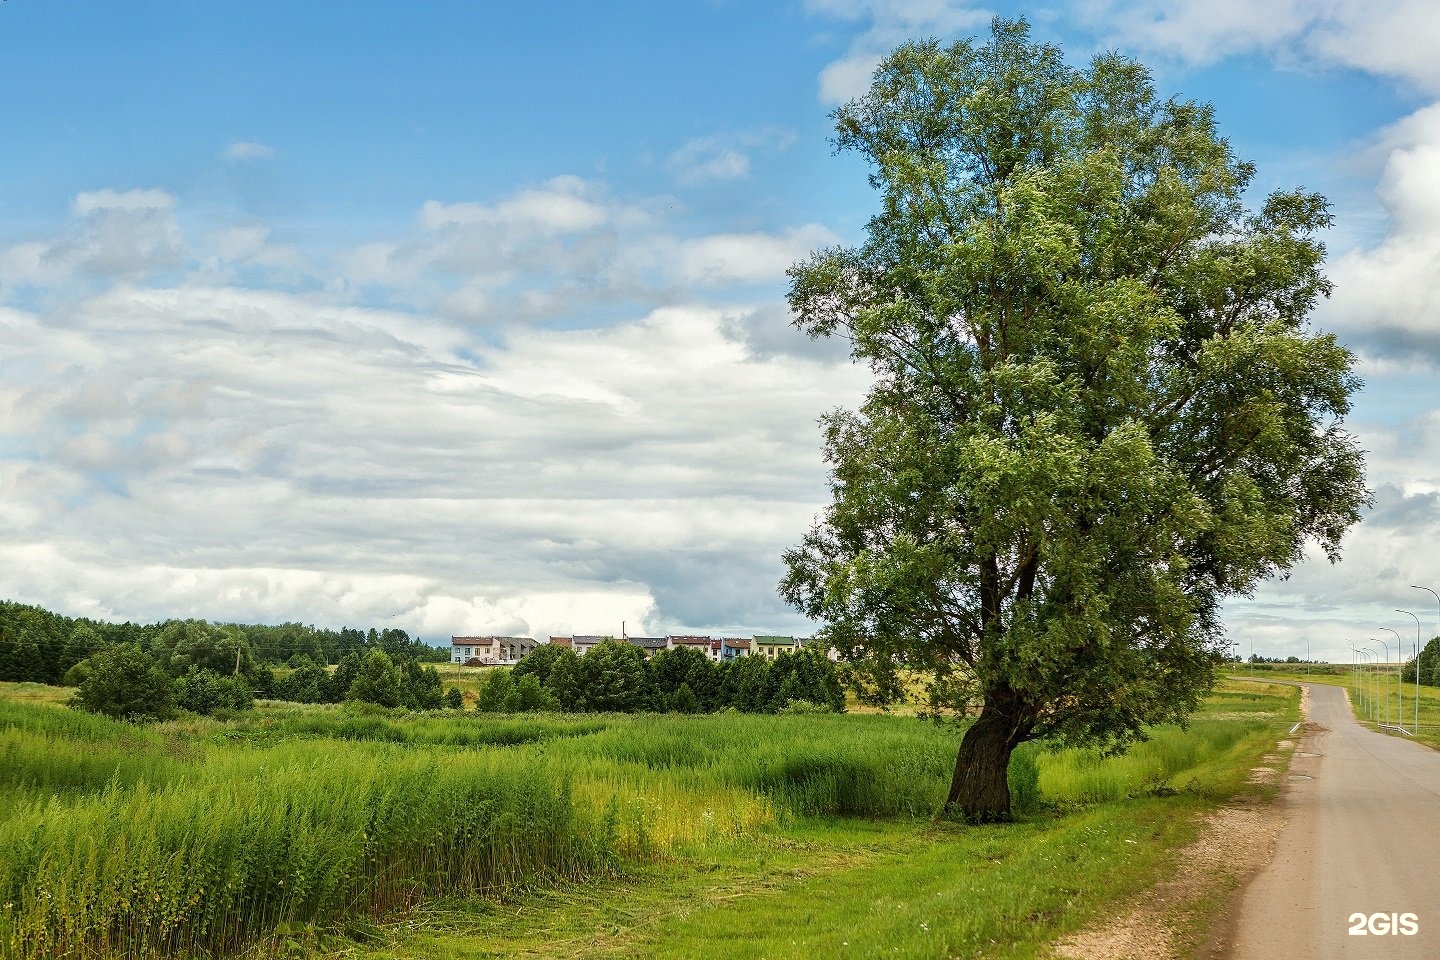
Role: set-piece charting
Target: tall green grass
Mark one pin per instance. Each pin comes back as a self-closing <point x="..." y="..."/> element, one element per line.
<point x="206" y="837"/>
<point x="296" y="834"/>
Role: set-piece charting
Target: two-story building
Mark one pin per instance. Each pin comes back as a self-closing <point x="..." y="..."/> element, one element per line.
<point x="725" y="649"/>
<point x="584" y="644"/>
<point x="490" y="650"/>
<point x="772" y="647"/>
<point x="648" y="645"/>
<point x="699" y="644"/>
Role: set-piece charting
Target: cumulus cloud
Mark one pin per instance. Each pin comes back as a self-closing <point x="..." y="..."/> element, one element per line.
<point x="887" y="23"/>
<point x="1394" y="38"/>
<point x="1387" y="297"/>
<point x="112" y="234"/>
<point x="249" y="150"/>
<point x="223" y="452"/>
<point x="750" y="257"/>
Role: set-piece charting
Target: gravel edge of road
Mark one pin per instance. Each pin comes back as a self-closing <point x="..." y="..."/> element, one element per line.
<point x="1189" y="914"/>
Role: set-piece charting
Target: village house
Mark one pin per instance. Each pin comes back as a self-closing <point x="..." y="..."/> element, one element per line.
<point x="725" y="649"/>
<point x="490" y="650"/>
<point x="772" y="647"/>
<point x="583" y="645"/>
<point x="648" y="645"/>
<point x="699" y="644"/>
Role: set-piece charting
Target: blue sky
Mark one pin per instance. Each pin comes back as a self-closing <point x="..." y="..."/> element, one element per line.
<point x="469" y="317"/>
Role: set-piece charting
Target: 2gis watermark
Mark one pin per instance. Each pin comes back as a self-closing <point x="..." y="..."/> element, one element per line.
<point x="1383" y="924"/>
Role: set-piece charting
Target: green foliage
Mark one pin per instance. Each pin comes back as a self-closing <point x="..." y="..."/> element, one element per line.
<point x="201" y="866"/>
<point x="204" y="691"/>
<point x="454" y="699"/>
<point x="307" y="683"/>
<point x="528" y="696"/>
<point x="1096" y="410"/>
<point x="683" y="700"/>
<point x="379" y="681"/>
<point x="422" y="688"/>
<point x="123" y="841"/>
<point x="496" y="691"/>
<point x="564" y="682"/>
<point x="1429" y="664"/>
<point x="540" y="662"/>
<point x="1024" y="780"/>
<point x="125" y="683"/>
<point x="613" y="677"/>
<point x="76" y="674"/>
<point x="338" y="685"/>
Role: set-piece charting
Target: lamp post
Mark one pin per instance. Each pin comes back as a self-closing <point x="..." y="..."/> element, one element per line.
<point x="1437" y="613"/>
<point x="1417" y="666"/>
<point x="1399" y="689"/>
<point x="1378" y="661"/>
<point x="1362" y="661"/>
<point x="1355" y="670"/>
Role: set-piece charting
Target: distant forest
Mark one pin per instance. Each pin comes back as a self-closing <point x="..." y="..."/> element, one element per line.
<point x="41" y="646"/>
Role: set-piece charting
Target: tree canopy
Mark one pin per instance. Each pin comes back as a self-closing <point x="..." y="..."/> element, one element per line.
<point x="1097" y="408"/>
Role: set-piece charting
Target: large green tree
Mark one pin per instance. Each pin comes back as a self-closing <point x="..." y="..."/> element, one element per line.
<point x="1097" y="409"/>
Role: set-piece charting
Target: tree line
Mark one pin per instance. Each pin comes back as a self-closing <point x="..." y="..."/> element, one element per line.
<point x="40" y="646"/>
<point x="616" y="677"/>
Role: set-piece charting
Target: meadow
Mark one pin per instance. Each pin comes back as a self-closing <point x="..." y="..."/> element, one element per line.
<point x="337" y="830"/>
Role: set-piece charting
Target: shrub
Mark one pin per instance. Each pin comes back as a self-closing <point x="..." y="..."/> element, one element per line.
<point x="76" y="674"/>
<point x="125" y="683"/>
<point x="204" y="691"/>
<point x="305" y="684"/>
<point x="378" y="681"/>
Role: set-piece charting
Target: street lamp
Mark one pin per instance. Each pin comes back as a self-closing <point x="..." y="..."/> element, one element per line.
<point x="1437" y="611"/>
<point x="1361" y="658"/>
<point x="1417" y="666"/>
<point x="1400" y="711"/>
<point x="1378" y="661"/>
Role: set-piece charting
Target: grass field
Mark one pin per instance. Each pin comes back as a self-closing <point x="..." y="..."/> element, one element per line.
<point x="321" y="831"/>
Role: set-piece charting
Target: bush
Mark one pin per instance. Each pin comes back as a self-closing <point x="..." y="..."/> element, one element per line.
<point x="495" y="692"/>
<point x="305" y="684"/>
<point x="204" y="691"/>
<point x="76" y="674"/>
<point x="454" y="699"/>
<point x="125" y="683"/>
<point x="378" y="681"/>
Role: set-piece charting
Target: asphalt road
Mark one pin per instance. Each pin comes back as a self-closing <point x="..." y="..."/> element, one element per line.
<point x="1362" y="836"/>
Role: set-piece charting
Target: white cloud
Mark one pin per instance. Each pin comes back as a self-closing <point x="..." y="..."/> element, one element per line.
<point x="1389" y="37"/>
<point x="562" y="205"/>
<point x="114" y="234"/>
<point x="219" y="452"/>
<point x="249" y="150"/>
<point x="1387" y="296"/>
<point x="887" y="24"/>
<point x="704" y="161"/>
<point x="749" y="257"/>
<point x="723" y="157"/>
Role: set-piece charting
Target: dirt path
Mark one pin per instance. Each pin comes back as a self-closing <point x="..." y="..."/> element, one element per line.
<point x="1174" y="919"/>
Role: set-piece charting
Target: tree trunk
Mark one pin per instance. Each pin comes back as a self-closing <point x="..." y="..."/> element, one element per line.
<point x="980" y="790"/>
